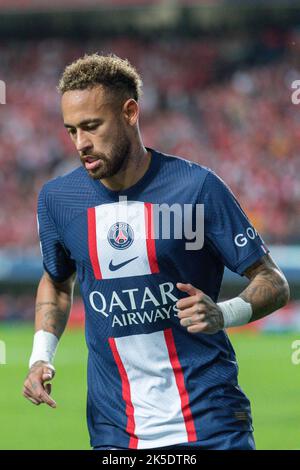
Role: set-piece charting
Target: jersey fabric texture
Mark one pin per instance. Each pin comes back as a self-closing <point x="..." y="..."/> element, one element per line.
<point x="230" y="440"/>
<point x="150" y="383"/>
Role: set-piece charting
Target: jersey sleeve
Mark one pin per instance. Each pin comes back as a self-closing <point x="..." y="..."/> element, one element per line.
<point x="56" y="260"/>
<point x="228" y="230"/>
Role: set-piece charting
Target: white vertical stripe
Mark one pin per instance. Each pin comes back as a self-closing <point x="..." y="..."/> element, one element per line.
<point x="154" y="394"/>
<point x="133" y="213"/>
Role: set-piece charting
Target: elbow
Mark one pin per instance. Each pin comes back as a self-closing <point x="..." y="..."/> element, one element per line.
<point x="66" y="286"/>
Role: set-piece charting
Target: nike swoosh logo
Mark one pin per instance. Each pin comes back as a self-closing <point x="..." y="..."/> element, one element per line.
<point x="115" y="267"/>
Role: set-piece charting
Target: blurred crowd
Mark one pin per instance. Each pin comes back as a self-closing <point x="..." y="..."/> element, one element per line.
<point x="198" y="103"/>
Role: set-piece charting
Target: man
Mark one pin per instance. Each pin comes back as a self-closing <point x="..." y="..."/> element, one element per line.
<point x="161" y="369"/>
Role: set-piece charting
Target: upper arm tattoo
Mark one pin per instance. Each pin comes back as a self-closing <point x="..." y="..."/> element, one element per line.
<point x="268" y="289"/>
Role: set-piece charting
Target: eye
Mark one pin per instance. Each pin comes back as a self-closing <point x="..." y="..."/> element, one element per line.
<point x="92" y="127"/>
<point x="71" y="131"/>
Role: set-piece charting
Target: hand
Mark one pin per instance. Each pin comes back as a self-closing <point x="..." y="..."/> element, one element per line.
<point x="35" y="388"/>
<point x="198" y="312"/>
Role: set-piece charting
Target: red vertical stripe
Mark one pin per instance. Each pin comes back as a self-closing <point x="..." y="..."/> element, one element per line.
<point x="130" y="428"/>
<point x="150" y="239"/>
<point x="184" y="397"/>
<point x="92" y="238"/>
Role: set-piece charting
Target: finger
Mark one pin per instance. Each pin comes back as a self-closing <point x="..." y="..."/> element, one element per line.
<point x="48" y="373"/>
<point x="188" y="288"/>
<point x="47" y="399"/>
<point x="33" y="400"/>
<point x="189" y="312"/>
<point x="199" y="328"/>
<point x="46" y="377"/>
<point x="40" y="394"/>
<point x="193" y="320"/>
<point x="28" y="391"/>
<point x="190" y="301"/>
<point x="187" y="302"/>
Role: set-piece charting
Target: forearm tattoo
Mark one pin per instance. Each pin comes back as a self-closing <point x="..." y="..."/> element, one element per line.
<point x="52" y="317"/>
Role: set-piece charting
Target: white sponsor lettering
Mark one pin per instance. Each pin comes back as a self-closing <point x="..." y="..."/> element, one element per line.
<point x="251" y="233"/>
<point x="144" y="317"/>
<point x="102" y="298"/>
<point x="135" y="306"/>
<point x="241" y="239"/>
<point x="167" y="293"/>
<point x="131" y="297"/>
<point x="149" y="297"/>
<point x="116" y="302"/>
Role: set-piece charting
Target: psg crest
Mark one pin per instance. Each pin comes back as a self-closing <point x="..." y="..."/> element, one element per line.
<point x="120" y="235"/>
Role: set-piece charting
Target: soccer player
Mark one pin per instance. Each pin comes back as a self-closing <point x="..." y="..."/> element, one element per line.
<point x="161" y="369"/>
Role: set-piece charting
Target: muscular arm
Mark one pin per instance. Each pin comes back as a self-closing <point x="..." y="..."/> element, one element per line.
<point x="268" y="289"/>
<point x="53" y="304"/>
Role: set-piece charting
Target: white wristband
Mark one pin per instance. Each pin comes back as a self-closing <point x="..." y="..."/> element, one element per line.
<point x="236" y="312"/>
<point x="44" y="347"/>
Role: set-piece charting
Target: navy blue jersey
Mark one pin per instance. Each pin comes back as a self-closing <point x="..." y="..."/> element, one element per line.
<point x="150" y="382"/>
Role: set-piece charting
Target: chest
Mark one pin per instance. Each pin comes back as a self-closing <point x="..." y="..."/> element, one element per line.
<point x="134" y="238"/>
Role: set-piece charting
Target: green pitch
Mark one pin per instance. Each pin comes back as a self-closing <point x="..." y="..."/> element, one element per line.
<point x="267" y="375"/>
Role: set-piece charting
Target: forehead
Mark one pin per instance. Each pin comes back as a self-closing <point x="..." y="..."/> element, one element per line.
<point x="78" y="104"/>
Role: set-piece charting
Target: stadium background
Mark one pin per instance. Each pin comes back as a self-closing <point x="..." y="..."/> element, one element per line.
<point x="217" y="89"/>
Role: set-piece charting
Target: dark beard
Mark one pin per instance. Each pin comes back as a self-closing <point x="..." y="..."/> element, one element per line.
<point x="113" y="163"/>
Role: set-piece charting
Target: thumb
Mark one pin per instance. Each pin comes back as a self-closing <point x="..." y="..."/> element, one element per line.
<point x="48" y="373"/>
<point x="188" y="288"/>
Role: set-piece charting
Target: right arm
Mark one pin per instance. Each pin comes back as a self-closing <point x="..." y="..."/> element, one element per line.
<point x="53" y="305"/>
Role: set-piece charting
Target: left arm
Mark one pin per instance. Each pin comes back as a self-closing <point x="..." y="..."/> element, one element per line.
<point x="267" y="291"/>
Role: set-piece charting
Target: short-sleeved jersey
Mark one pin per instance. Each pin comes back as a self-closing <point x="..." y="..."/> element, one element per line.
<point x="150" y="382"/>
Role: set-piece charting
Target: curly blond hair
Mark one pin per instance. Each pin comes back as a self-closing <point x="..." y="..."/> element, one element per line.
<point x="115" y="74"/>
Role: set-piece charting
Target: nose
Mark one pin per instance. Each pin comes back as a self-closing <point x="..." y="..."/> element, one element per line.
<point x="83" y="143"/>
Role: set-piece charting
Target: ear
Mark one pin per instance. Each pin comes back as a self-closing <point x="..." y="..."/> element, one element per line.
<point x="131" y="111"/>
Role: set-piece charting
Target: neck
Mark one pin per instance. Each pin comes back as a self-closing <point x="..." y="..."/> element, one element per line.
<point x="133" y="170"/>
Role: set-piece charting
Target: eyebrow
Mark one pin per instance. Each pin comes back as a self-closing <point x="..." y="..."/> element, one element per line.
<point x="84" y="123"/>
